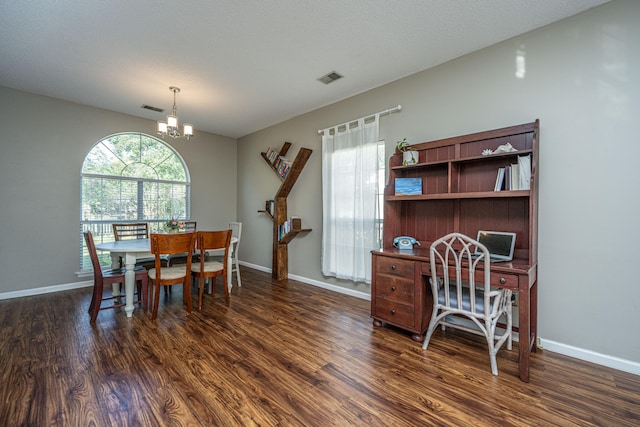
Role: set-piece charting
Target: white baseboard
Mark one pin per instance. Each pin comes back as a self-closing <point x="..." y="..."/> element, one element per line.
<point x="547" y="345"/>
<point x="329" y="286"/>
<point x="591" y="356"/>
<point x="45" y="290"/>
<point x="255" y="267"/>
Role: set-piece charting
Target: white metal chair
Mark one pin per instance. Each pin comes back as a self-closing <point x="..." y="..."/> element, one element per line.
<point x="236" y="231"/>
<point x="457" y="290"/>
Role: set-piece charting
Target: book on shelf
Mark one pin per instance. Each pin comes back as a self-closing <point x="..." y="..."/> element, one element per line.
<point x="516" y="176"/>
<point x="499" y="179"/>
<point x="273" y="156"/>
<point x="507" y="178"/>
<point x="524" y="163"/>
<point x="270" y="154"/>
<point x="293" y="223"/>
<point x="281" y="164"/>
<point x="514" y="183"/>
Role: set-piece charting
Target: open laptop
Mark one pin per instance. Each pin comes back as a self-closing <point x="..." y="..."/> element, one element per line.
<point x="500" y="244"/>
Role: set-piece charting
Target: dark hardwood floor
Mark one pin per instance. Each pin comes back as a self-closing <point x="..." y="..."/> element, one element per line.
<point x="279" y="353"/>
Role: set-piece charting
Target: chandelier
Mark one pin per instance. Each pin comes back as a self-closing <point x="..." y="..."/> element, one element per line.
<point x="170" y="127"/>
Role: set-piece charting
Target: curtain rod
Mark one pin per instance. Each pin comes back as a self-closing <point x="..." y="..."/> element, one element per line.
<point x="381" y="113"/>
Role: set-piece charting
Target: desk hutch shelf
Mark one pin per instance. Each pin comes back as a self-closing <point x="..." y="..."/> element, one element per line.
<point x="278" y="210"/>
<point x="457" y="194"/>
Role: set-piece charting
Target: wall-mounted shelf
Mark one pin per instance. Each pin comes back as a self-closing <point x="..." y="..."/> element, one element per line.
<point x="288" y="172"/>
<point x="291" y="234"/>
<point x="268" y="208"/>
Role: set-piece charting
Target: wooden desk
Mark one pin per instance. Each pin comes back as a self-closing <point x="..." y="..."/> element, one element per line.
<point x="400" y="295"/>
<point x="458" y="193"/>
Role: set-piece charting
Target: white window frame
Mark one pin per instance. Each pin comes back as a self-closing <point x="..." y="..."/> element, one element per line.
<point x="175" y="205"/>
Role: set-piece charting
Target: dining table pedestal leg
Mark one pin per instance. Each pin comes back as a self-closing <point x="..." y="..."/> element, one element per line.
<point x="115" y="287"/>
<point x="129" y="282"/>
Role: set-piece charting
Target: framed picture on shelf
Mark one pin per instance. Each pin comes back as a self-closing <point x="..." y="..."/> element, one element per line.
<point x="408" y="186"/>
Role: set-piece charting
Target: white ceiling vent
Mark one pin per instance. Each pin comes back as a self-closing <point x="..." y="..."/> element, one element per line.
<point x="149" y="107"/>
<point x="329" y="78"/>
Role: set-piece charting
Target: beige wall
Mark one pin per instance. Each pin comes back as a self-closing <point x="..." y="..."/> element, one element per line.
<point x="581" y="82"/>
<point x="42" y="147"/>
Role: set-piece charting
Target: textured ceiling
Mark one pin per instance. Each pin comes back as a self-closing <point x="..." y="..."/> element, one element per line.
<point x="244" y="65"/>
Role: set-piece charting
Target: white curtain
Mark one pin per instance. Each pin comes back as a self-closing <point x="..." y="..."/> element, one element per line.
<point x="349" y="185"/>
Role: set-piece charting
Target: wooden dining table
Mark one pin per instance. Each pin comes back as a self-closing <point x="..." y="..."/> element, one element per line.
<point x="132" y="249"/>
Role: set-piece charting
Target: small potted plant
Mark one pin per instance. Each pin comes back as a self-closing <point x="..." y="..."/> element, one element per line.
<point x="174" y="226"/>
<point x="409" y="156"/>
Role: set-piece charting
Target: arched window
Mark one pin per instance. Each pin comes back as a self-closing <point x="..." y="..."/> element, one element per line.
<point x="130" y="177"/>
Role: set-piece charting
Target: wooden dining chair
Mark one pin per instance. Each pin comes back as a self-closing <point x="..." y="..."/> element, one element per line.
<point x="102" y="278"/>
<point x="139" y="230"/>
<point x="209" y="240"/>
<point x="168" y="244"/>
<point x="189" y="227"/>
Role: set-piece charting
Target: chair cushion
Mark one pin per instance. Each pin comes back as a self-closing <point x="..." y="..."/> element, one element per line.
<point x="209" y="266"/>
<point x="466" y="299"/>
<point x="169" y="273"/>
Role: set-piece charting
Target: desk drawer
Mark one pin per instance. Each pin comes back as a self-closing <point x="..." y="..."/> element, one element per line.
<point x="394" y="288"/>
<point x="394" y="312"/>
<point x="500" y="280"/>
<point x="394" y="266"/>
